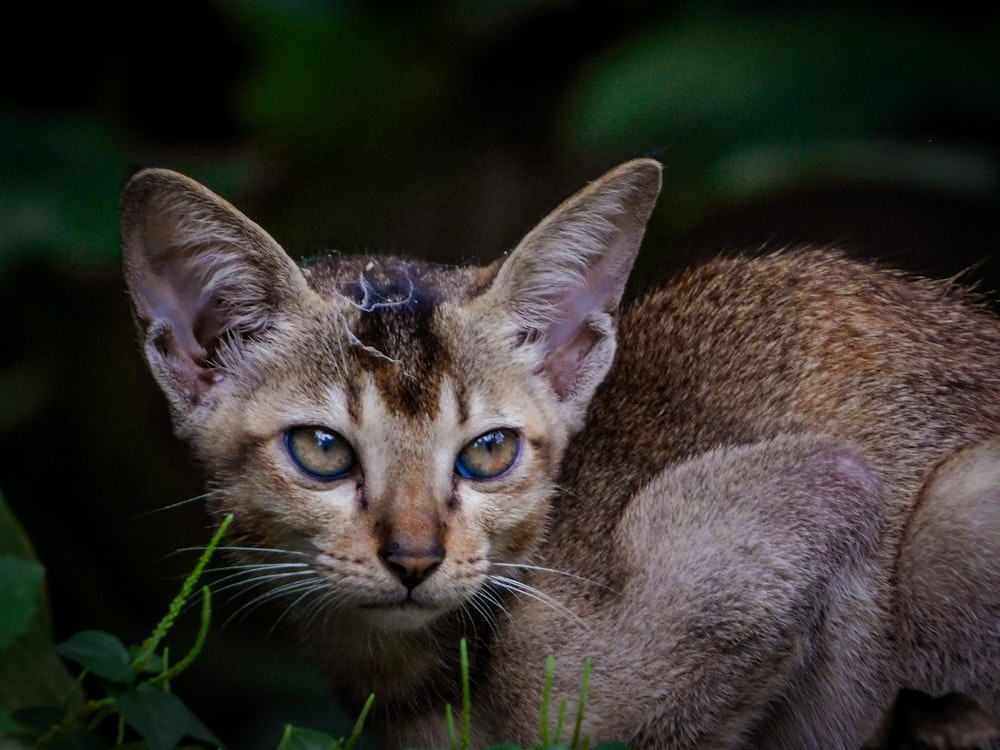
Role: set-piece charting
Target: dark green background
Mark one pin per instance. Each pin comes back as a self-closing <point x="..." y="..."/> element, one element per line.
<point x="444" y="130"/>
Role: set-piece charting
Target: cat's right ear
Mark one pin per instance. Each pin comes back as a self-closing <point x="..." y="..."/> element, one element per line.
<point x="202" y="277"/>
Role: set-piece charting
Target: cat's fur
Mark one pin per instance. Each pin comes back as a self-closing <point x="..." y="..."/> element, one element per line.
<point x="761" y="500"/>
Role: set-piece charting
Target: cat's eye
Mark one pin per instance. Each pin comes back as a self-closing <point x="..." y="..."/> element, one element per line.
<point x="321" y="453"/>
<point x="489" y="455"/>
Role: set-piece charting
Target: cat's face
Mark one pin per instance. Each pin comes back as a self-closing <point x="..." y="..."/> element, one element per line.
<point x="386" y="434"/>
<point x="397" y="446"/>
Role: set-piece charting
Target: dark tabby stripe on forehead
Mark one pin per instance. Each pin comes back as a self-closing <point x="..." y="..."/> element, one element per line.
<point x="462" y="399"/>
<point x="395" y="337"/>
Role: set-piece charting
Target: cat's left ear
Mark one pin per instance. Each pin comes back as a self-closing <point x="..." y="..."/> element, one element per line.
<point x="202" y="277"/>
<point x="563" y="283"/>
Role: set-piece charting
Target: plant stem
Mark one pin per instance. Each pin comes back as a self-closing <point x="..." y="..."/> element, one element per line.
<point x="584" y="683"/>
<point x="96" y="710"/>
<point x="163" y="679"/>
<point x="150" y="644"/>
<point x="466" y="695"/>
<point x="359" y="724"/>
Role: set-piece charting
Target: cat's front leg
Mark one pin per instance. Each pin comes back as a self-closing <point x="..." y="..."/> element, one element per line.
<point x="754" y="608"/>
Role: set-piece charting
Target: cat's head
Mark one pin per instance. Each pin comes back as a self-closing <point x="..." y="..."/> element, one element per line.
<point x="394" y="428"/>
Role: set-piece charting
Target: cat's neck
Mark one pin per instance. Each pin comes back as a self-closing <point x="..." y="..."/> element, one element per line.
<point x="413" y="673"/>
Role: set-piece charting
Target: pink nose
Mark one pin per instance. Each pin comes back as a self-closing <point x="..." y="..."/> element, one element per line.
<point x="411" y="566"/>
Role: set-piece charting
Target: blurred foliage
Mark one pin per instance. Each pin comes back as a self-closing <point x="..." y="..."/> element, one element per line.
<point x="58" y="184"/>
<point x="30" y="674"/>
<point x="726" y="81"/>
<point x="442" y="129"/>
<point x="456" y="117"/>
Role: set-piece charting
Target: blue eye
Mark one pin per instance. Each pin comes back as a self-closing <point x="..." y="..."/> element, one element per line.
<point x="489" y="455"/>
<point x="321" y="453"/>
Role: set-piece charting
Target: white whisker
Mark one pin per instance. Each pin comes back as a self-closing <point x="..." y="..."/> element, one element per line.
<point x="229" y="572"/>
<point x="180" y="504"/>
<point x="270" y="595"/>
<point x="256" y="566"/>
<point x="556" y="571"/>
<point x="317" y="586"/>
<point x="519" y="587"/>
<point x="484" y="609"/>
<point x="226" y="548"/>
<point x="327" y="599"/>
<point x="245" y="581"/>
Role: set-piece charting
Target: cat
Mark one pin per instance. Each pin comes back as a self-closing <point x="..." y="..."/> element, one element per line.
<point x="760" y="500"/>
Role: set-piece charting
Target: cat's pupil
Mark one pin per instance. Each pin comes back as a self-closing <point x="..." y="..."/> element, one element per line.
<point x="489" y="455"/>
<point x="319" y="452"/>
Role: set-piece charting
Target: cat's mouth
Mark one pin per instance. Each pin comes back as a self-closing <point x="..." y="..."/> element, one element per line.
<point x="407" y="603"/>
<point x="405" y="614"/>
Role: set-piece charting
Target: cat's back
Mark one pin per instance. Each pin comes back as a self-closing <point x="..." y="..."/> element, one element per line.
<point x="739" y="349"/>
<point x="813" y="338"/>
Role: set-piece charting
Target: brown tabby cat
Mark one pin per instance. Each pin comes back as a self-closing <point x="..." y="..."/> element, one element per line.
<point x="761" y="500"/>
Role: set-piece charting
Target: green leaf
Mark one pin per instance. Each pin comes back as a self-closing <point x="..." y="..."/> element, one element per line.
<point x="296" y="738"/>
<point x="610" y="745"/>
<point x="10" y="726"/>
<point x="101" y="653"/>
<point x="152" y="663"/>
<point x="161" y="718"/>
<point x="30" y="673"/>
<point x="20" y="594"/>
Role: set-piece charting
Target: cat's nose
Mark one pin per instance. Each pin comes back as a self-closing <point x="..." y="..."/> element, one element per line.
<point x="412" y="566"/>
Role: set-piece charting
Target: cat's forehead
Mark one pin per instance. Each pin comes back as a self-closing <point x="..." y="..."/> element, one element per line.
<point x="393" y="331"/>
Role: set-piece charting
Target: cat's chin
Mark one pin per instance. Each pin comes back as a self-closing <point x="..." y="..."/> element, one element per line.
<point x="399" y="618"/>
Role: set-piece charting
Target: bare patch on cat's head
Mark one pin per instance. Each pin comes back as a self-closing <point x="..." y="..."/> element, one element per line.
<point x="370" y="280"/>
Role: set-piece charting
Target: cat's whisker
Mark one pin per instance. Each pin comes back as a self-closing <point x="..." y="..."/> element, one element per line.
<point x="247" y="579"/>
<point x="327" y="600"/>
<point x="317" y="586"/>
<point x="236" y="548"/>
<point x="249" y="567"/>
<point x="205" y="496"/>
<point x="519" y="587"/>
<point x="556" y="571"/>
<point x="270" y="595"/>
<point x="486" y="612"/>
<point x="491" y="599"/>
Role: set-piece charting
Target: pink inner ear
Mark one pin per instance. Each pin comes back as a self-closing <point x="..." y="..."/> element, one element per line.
<point x="572" y="334"/>
<point x="176" y="306"/>
<point x="597" y="293"/>
<point x="563" y="361"/>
